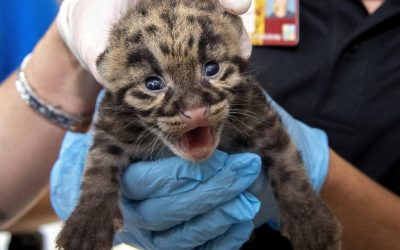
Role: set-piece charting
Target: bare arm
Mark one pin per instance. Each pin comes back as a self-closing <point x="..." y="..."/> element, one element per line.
<point x="41" y="213"/>
<point x="370" y="214"/>
<point x="29" y="143"/>
<point x="372" y="5"/>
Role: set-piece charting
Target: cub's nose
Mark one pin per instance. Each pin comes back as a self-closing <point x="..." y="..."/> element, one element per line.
<point x="197" y="115"/>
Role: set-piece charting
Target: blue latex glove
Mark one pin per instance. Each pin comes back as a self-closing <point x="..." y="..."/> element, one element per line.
<point x="171" y="203"/>
<point x="66" y="175"/>
<point x="209" y="199"/>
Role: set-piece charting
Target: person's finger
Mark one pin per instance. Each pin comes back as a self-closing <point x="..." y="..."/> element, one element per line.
<point x="202" y="228"/>
<point x="236" y="235"/>
<point x="68" y="169"/>
<point x="84" y="25"/>
<point x="236" y="7"/>
<point x="171" y="176"/>
<point x="173" y="209"/>
<point x="232" y="239"/>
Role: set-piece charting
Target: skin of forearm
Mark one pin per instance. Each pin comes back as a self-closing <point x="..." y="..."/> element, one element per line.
<point x="369" y="214"/>
<point x="372" y="5"/>
<point x="29" y="143"/>
<point x="29" y="146"/>
<point x="38" y="215"/>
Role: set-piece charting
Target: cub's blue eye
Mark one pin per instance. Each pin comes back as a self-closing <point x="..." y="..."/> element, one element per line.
<point x="211" y="68"/>
<point x="154" y="83"/>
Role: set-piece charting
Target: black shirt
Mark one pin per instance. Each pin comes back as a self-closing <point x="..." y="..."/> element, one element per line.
<point x="343" y="77"/>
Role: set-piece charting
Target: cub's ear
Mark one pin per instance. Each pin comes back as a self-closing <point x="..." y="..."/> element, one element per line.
<point x="109" y="66"/>
<point x="240" y="33"/>
<point x="245" y="44"/>
<point x="100" y="61"/>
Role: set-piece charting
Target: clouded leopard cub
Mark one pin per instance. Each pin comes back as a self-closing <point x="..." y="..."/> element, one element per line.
<point x="176" y="82"/>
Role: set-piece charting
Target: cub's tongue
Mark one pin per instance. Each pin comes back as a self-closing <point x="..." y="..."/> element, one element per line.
<point x="195" y="140"/>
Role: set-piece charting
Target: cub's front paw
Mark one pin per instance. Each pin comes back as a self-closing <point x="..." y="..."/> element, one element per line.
<point x="90" y="228"/>
<point x="312" y="227"/>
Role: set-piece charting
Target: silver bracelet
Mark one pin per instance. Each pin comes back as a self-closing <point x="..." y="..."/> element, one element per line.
<point x="73" y="122"/>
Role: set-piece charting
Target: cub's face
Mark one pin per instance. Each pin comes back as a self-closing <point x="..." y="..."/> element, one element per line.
<point x="177" y="63"/>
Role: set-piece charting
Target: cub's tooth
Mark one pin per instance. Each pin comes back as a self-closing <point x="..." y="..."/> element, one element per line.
<point x="184" y="143"/>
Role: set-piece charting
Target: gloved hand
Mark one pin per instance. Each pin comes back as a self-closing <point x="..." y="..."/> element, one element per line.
<point x="171" y="203"/>
<point x="197" y="204"/>
<point x="85" y="24"/>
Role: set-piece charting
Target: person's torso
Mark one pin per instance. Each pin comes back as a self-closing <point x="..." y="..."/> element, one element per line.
<point x="343" y="77"/>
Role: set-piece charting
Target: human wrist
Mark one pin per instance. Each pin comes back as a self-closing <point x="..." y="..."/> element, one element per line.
<point x="333" y="178"/>
<point x="57" y="77"/>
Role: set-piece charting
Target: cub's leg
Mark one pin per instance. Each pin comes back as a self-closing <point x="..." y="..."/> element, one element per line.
<point x="97" y="216"/>
<point x="304" y="218"/>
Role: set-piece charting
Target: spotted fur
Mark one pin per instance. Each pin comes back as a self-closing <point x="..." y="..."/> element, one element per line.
<point x="174" y="40"/>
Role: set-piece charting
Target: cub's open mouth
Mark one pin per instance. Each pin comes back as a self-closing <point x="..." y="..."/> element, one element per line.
<point x="196" y="144"/>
